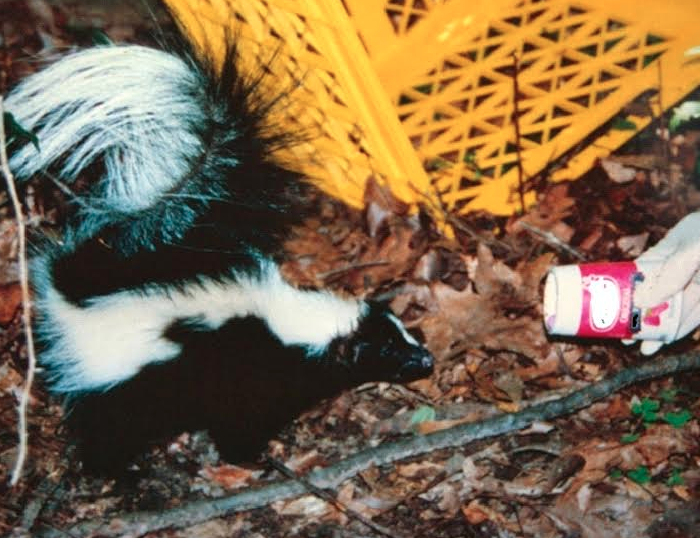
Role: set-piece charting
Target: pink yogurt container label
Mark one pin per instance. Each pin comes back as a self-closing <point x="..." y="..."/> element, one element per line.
<point x="606" y="308"/>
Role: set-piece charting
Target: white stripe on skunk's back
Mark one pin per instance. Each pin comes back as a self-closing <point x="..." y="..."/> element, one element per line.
<point x="113" y="337"/>
<point x="135" y="107"/>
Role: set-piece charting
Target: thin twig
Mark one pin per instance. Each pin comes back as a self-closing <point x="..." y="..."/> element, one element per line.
<point x="662" y="123"/>
<point x="516" y="123"/>
<point x="466" y="228"/>
<point x="187" y="514"/>
<point x="553" y="240"/>
<point x="26" y="305"/>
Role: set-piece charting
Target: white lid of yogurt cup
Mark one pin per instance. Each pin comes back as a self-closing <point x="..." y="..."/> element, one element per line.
<point x="563" y="300"/>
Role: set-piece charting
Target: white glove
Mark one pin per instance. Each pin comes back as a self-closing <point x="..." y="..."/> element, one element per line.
<point x="675" y="263"/>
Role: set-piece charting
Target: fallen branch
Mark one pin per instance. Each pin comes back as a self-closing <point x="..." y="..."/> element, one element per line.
<point x="26" y="305"/>
<point x="140" y="523"/>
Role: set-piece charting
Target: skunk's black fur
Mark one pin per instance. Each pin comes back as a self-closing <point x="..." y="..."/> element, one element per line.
<point x="162" y="309"/>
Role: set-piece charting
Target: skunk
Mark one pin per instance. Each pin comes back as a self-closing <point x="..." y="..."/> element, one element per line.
<point x="162" y="308"/>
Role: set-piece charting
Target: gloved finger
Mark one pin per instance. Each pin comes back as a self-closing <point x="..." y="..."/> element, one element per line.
<point x="649" y="347"/>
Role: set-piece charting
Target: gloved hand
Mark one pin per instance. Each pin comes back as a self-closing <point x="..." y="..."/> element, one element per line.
<point x="675" y="263"/>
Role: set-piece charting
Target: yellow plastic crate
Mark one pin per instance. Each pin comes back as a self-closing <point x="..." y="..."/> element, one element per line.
<point x="420" y="93"/>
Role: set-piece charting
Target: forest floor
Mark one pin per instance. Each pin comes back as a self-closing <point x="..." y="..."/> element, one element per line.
<point x="625" y="466"/>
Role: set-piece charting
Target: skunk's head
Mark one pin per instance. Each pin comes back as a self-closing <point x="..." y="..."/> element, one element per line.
<point x="381" y="349"/>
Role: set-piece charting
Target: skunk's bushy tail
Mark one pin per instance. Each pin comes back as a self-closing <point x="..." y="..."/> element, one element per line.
<point x="167" y="136"/>
<point x="136" y="109"/>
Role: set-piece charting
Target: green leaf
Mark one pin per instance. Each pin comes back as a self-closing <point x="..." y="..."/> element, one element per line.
<point x="14" y="131"/>
<point x="629" y="438"/>
<point x="647" y="409"/>
<point x="649" y="416"/>
<point x="424" y="413"/>
<point x="646" y="405"/>
<point x="640" y="475"/>
<point x="678" y="420"/>
<point x="676" y="478"/>
<point x="623" y="124"/>
<point x="668" y="395"/>
<point x="616" y="473"/>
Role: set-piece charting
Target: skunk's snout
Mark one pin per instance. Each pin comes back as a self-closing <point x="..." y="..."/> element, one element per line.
<point x="417" y="365"/>
<point x="383" y="350"/>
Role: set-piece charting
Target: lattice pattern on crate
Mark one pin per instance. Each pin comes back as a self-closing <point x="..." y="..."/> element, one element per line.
<point x="419" y="90"/>
<point x="403" y="14"/>
<point x="459" y="114"/>
<point x="317" y="107"/>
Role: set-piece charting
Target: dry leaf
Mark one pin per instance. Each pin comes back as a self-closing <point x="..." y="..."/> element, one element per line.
<point x="494" y="278"/>
<point x="419" y="470"/>
<point x="430" y="426"/>
<point x="302" y="463"/>
<point x="428" y="267"/>
<point x="683" y="492"/>
<point x="618" y="172"/>
<point x="562" y="231"/>
<point x="612" y="516"/>
<point x="227" y="476"/>
<point x="475" y="320"/>
<point x="9" y="272"/>
<point x="10" y="301"/>
<point x="10" y="380"/>
<point x="307" y="506"/>
<point x="511" y="384"/>
<point x="591" y="239"/>
<point x="381" y="195"/>
<point x="555" y="206"/>
<point x="475" y="513"/>
<point x="532" y="274"/>
<point x="633" y="245"/>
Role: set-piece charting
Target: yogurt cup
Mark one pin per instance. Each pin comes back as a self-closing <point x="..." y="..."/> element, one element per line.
<point x="596" y="300"/>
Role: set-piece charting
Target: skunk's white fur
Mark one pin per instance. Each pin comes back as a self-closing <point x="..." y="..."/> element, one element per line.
<point x="110" y="338"/>
<point x="133" y="107"/>
<point x="402" y="330"/>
